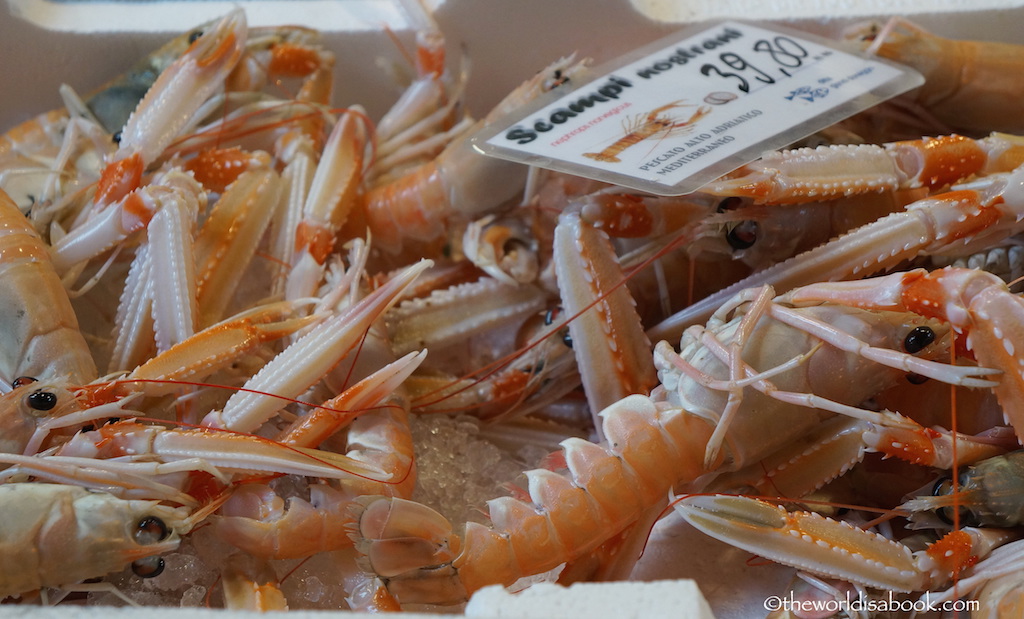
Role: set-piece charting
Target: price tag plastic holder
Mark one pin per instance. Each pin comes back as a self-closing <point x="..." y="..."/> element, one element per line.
<point x="681" y="112"/>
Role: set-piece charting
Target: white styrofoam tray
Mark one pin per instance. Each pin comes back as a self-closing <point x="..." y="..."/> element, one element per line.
<point x="49" y="42"/>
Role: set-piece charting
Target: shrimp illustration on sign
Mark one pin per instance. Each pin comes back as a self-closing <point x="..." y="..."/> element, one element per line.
<point x="642" y="127"/>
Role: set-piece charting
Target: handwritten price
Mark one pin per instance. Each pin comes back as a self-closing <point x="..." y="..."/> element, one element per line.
<point x="786" y="54"/>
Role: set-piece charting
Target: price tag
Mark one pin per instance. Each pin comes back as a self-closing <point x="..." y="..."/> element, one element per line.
<point x="680" y="113"/>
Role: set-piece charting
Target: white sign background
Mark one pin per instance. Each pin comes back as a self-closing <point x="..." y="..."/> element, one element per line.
<point x="697" y="107"/>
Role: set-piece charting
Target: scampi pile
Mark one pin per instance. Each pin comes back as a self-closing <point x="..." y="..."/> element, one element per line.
<point x="229" y="306"/>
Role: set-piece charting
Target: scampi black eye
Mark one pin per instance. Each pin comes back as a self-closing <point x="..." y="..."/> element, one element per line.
<point x="566" y="337"/>
<point x="729" y="204"/>
<point x="21" y="381"/>
<point x="552" y="315"/>
<point x="918" y="339"/>
<point x="149" y="567"/>
<point x="194" y="35"/>
<point x="151" y="530"/>
<point x="41" y="400"/>
<point x="967" y="516"/>
<point x="557" y="79"/>
<point x="942" y="487"/>
<point x="743" y="235"/>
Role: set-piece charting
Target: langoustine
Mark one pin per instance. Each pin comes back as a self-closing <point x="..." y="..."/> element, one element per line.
<point x="694" y="456"/>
